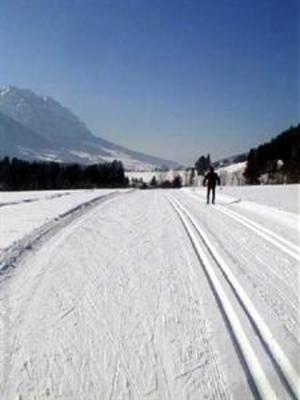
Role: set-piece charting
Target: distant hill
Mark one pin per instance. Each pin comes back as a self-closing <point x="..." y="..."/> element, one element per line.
<point x="224" y="162"/>
<point x="60" y="135"/>
<point x="277" y="161"/>
<point x="273" y="162"/>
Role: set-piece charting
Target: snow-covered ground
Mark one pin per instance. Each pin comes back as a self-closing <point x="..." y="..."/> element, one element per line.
<point x="23" y="212"/>
<point x="154" y="295"/>
<point x="283" y="197"/>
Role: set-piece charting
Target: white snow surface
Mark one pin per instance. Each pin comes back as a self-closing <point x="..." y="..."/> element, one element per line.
<point x="283" y="197"/>
<point x="128" y="300"/>
<point x="23" y="212"/>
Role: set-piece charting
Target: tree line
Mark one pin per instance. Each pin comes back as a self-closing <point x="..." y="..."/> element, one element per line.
<point x="17" y="174"/>
<point x="202" y="164"/>
<point x="277" y="161"/>
<point x="274" y="162"/>
<point x="175" y="183"/>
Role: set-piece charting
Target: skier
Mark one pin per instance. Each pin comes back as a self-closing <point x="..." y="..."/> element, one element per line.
<point x="212" y="180"/>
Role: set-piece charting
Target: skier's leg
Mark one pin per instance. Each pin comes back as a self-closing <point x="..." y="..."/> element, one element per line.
<point x="208" y="194"/>
<point x="213" y="194"/>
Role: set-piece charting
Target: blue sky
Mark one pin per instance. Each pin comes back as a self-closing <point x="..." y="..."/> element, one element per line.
<point x="171" y="78"/>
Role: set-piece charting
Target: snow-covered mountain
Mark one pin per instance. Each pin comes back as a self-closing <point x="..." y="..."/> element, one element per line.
<point x="62" y="136"/>
<point x="19" y="141"/>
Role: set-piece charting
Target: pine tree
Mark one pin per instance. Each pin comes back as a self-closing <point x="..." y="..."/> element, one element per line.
<point x="153" y="181"/>
<point x="252" y="169"/>
<point x="202" y="164"/>
<point x="177" y="182"/>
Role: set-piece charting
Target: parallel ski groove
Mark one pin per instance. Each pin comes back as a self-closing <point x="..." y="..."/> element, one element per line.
<point x="278" y="355"/>
<point x="281" y="243"/>
<point x="278" y="241"/>
<point x="258" y="376"/>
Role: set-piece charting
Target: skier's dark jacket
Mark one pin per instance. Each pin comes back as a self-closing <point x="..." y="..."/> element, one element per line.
<point x="212" y="179"/>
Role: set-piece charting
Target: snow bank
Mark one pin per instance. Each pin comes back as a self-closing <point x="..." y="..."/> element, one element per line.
<point x="283" y="197"/>
<point x="23" y="212"/>
<point x="232" y="174"/>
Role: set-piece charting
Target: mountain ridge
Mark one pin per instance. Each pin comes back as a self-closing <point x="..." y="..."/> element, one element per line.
<point x="70" y="140"/>
<point x="22" y="141"/>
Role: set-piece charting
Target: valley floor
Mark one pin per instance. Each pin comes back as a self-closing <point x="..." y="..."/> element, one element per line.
<point x="151" y="295"/>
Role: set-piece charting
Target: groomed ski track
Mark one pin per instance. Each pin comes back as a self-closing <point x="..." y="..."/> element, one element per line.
<point x="153" y="295"/>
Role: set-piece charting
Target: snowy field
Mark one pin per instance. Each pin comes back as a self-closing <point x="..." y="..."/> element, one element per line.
<point x="283" y="197"/>
<point x="149" y="295"/>
<point x="21" y="213"/>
